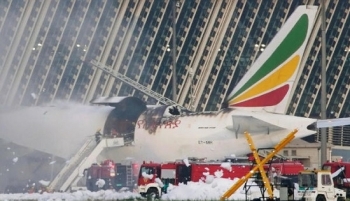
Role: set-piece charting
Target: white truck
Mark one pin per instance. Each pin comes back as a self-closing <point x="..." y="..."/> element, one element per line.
<point x="318" y="185"/>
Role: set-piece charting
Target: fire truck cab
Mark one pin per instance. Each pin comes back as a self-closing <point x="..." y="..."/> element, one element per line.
<point x="340" y="174"/>
<point x="154" y="178"/>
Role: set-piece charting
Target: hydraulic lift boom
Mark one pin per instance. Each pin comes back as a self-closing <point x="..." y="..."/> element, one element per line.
<point x="136" y="85"/>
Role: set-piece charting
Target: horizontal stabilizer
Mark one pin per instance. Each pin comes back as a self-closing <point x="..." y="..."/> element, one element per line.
<point x="241" y="123"/>
<point x="325" y="123"/>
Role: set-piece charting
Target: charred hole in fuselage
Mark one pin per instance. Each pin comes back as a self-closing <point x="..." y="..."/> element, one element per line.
<point x="163" y="116"/>
<point x="122" y="119"/>
<point x="174" y="110"/>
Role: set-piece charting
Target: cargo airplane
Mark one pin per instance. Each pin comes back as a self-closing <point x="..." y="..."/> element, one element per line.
<point x="257" y="104"/>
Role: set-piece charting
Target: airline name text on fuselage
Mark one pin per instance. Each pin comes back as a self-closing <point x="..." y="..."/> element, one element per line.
<point x="160" y="124"/>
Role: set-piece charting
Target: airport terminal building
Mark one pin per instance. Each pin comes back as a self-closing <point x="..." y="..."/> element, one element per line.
<point x="47" y="47"/>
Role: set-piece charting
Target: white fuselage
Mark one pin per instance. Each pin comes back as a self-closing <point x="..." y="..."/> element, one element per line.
<point x="62" y="132"/>
<point x="204" y="135"/>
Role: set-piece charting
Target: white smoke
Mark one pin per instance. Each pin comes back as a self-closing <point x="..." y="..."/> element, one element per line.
<point x="60" y="130"/>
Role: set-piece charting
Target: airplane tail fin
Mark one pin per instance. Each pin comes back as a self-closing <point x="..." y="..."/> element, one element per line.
<point x="269" y="82"/>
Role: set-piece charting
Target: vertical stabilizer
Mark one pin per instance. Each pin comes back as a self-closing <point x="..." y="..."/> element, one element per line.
<point x="269" y="82"/>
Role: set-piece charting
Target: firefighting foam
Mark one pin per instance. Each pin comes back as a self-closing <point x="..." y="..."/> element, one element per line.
<point x="192" y="191"/>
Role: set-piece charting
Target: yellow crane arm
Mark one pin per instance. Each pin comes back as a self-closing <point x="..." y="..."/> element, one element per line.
<point x="277" y="148"/>
<point x="261" y="167"/>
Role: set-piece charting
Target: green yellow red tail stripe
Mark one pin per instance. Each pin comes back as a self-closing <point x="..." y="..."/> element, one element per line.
<point x="273" y="78"/>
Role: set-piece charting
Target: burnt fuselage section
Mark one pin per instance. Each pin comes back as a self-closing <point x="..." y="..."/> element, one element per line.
<point x="122" y="119"/>
<point x="160" y="116"/>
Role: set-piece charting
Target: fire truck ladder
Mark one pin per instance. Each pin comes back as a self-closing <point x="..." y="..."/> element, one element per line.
<point x="129" y="176"/>
<point x="160" y="98"/>
<point x="259" y="165"/>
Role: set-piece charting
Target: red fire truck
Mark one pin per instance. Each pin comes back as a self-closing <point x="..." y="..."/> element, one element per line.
<point x="111" y="175"/>
<point x="340" y="173"/>
<point x="154" y="178"/>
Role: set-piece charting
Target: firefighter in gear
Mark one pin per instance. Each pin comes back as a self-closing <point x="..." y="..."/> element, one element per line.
<point x="98" y="136"/>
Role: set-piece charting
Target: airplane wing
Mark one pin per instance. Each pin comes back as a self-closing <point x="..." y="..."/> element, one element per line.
<point x="325" y="123"/>
<point x="241" y="123"/>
